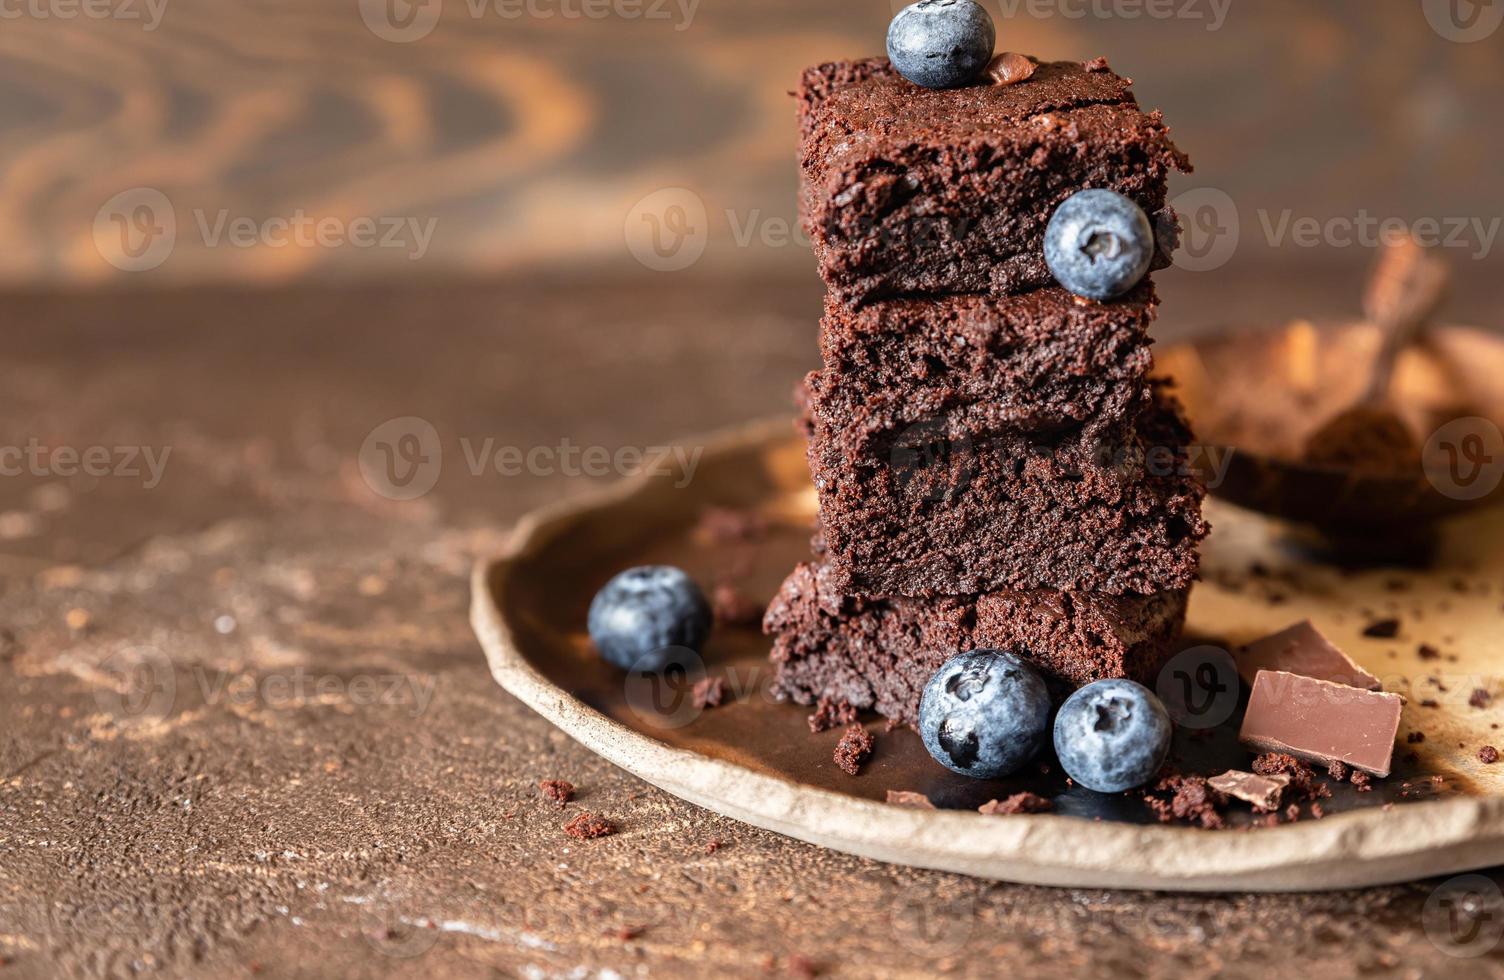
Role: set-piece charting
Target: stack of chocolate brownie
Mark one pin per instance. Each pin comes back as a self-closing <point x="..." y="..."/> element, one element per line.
<point x="995" y="466"/>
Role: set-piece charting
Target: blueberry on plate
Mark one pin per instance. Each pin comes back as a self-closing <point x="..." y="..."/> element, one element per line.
<point x="984" y="714"/>
<point x="645" y="617"/>
<point x="1112" y="735"/>
<point x="1099" y="244"/>
<point x="941" y="43"/>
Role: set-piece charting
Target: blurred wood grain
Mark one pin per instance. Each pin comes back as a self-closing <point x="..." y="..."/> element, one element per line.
<point x="523" y="133"/>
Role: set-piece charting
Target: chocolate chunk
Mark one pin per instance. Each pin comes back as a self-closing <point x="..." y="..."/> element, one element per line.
<point x="903" y="797"/>
<point x="709" y="692"/>
<point x="1427" y="652"/>
<point x="1382" y="629"/>
<point x="1017" y="803"/>
<point x="1415" y="738"/>
<point x="1480" y="698"/>
<point x="558" y="790"/>
<point x="1301" y="649"/>
<point x="1488" y="755"/>
<point x="732" y="607"/>
<point x="1263" y="792"/>
<point x="854" y="749"/>
<point x="1010" y="68"/>
<point x="587" y="826"/>
<point x="1322" y="721"/>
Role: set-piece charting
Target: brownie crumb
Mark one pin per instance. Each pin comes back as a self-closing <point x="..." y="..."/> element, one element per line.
<point x="587" y="826"/>
<point x="1382" y="629"/>
<point x="1187" y="798"/>
<point x="558" y="790"/>
<point x="1318" y="811"/>
<point x="713" y="845"/>
<point x="1480" y="698"/>
<point x="1488" y="755"/>
<point x="709" y="692"/>
<point x="724" y="525"/>
<point x="733" y="607"/>
<point x="828" y="714"/>
<point x="1415" y="738"/>
<point x="801" y="966"/>
<point x="854" y="749"/>
<point x="1096" y="64"/>
<point x="1427" y="652"/>
<point x="903" y="797"/>
<point x="1017" y="803"/>
<point x="1337" y="770"/>
<point x="1303" y="782"/>
<point x="1362" y="780"/>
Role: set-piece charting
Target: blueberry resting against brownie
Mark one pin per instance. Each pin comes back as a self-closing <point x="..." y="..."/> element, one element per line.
<point x="907" y="190"/>
<point x="878" y="654"/>
<point x="1036" y="362"/>
<point x="941" y="508"/>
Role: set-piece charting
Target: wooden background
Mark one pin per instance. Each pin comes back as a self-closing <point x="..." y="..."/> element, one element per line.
<point x="528" y="139"/>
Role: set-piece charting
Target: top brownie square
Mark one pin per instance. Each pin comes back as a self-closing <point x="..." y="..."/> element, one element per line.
<point x="913" y="191"/>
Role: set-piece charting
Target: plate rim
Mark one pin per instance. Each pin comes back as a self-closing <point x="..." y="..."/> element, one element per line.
<point x="1358" y="848"/>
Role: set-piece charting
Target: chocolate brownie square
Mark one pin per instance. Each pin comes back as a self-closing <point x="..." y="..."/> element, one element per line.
<point x="943" y="508"/>
<point x="1037" y="362"/>
<point x="907" y="190"/>
<point x="879" y="653"/>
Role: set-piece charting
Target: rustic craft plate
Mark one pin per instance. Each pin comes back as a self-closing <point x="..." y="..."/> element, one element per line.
<point x="756" y="760"/>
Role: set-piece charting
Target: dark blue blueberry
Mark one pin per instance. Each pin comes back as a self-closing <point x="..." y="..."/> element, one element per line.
<point x="984" y="714"/>
<point x="639" y="618"/>
<point x="1099" y="244"/>
<point x="1112" y="735"/>
<point x="941" y="43"/>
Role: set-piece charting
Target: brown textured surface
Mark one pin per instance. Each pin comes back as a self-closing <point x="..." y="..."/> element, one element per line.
<point x="303" y="839"/>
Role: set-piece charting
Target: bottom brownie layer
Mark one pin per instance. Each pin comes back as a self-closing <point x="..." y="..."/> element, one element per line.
<point x="879" y="653"/>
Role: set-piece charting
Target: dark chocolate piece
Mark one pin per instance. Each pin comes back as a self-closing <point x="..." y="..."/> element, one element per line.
<point x="1263" y="792"/>
<point x="1302" y="649"/>
<point x="1322" y="721"/>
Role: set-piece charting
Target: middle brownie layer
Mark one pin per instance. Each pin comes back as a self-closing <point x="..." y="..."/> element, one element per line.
<point x="945" y="506"/>
<point x="1037" y="362"/>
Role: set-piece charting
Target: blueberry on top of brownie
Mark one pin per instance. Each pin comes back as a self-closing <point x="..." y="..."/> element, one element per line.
<point x="914" y="190"/>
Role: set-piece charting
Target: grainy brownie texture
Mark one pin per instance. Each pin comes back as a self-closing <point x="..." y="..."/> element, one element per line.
<point x="1035" y="362"/>
<point x="908" y="190"/>
<point x="939" y="508"/>
<point x="879" y="653"/>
